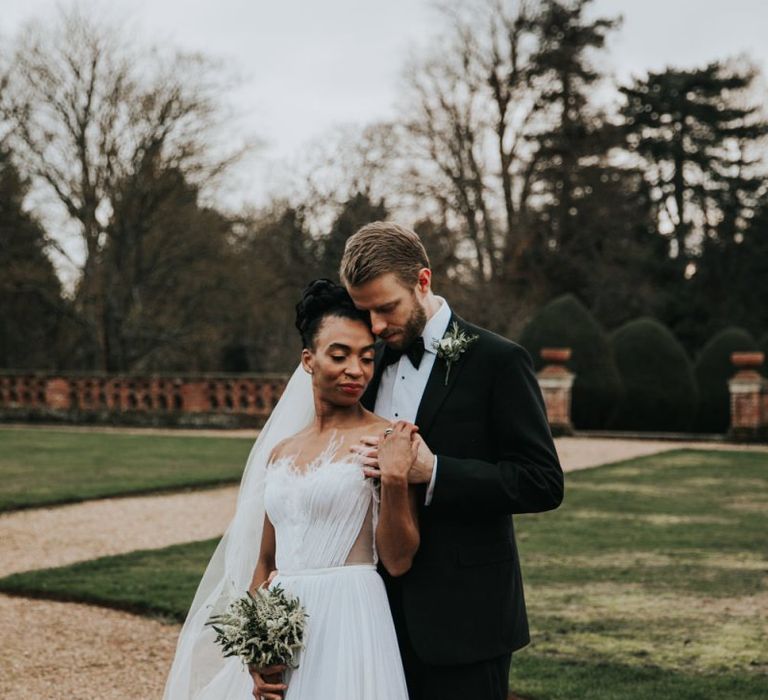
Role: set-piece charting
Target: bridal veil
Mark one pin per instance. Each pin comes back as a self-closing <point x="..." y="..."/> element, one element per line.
<point x="199" y="671"/>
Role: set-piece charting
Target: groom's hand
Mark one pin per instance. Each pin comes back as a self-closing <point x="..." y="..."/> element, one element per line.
<point x="397" y="452"/>
<point x="421" y="469"/>
<point x="367" y="450"/>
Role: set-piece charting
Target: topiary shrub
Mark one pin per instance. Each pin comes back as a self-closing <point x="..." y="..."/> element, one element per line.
<point x="566" y="322"/>
<point x="762" y="346"/>
<point x="713" y="369"/>
<point x="657" y="377"/>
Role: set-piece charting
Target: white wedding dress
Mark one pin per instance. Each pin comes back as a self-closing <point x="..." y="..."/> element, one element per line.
<point x="324" y="517"/>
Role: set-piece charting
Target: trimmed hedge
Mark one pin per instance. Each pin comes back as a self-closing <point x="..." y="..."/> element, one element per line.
<point x="762" y="346"/>
<point x="660" y="391"/>
<point x="713" y="369"/>
<point x="566" y="322"/>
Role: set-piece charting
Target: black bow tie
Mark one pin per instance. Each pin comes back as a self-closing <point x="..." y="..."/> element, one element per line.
<point x="414" y="352"/>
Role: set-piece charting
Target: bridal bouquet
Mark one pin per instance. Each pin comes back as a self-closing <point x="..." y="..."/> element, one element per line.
<point x="264" y="629"/>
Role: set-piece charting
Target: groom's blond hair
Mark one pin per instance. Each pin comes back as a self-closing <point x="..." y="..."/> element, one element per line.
<point x="381" y="247"/>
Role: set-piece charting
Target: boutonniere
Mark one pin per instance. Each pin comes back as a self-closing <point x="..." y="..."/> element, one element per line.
<point x="452" y="346"/>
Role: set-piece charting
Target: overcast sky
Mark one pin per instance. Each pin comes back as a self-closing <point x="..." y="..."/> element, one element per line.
<point x="312" y="64"/>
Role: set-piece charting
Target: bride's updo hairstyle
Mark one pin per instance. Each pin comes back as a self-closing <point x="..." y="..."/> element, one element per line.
<point x="320" y="299"/>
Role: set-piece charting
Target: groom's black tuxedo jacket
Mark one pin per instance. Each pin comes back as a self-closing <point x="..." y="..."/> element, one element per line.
<point x="462" y="600"/>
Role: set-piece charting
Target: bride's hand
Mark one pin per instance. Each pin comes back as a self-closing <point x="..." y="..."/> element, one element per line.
<point x="268" y="682"/>
<point x="367" y="453"/>
<point x="397" y="452"/>
<point x="264" y="584"/>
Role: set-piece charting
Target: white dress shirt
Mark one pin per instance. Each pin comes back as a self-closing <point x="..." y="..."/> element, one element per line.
<point x="402" y="385"/>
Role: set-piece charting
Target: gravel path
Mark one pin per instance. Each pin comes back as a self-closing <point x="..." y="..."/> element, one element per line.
<point x="67" y="651"/>
<point x="584" y="452"/>
<point x="79" y="651"/>
<point x="43" y="537"/>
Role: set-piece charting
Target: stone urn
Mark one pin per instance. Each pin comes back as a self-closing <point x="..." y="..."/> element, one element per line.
<point x="748" y="360"/>
<point x="555" y="356"/>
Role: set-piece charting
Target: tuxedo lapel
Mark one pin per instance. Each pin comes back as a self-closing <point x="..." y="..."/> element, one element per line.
<point x="369" y="397"/>
<point x="437" y="389"/>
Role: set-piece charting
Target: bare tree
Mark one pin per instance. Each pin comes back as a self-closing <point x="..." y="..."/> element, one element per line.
<point x="87" y="111"/>
<point x="474" y="103"/>
<point x="342" y="163"/>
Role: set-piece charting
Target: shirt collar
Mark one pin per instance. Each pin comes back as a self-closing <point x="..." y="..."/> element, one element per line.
<point x="436" y="326"/>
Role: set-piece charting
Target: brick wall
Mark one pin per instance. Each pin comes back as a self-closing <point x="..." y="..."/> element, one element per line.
<point x="235" y="400"/>
<point x="225" y="400"/>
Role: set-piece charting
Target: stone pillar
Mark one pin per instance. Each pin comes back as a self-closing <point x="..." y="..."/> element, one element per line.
<point x="57" y="393"/>
<point x="195" y="396"/>
<point x="556" y="382"/>
<point x="749" y="398"/>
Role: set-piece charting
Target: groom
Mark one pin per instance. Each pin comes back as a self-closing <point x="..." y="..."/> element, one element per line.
<point x="485" y="452"/>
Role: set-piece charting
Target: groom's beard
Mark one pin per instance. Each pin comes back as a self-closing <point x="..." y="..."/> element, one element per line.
<point x="412" y="329"/>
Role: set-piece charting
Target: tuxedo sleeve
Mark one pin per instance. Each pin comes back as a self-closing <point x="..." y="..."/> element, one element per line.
<point x="528" y="477"/>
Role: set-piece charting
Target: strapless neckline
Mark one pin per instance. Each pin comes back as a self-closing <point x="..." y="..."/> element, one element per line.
<point x="327" y="458"/>
<point x="318" y="511"/>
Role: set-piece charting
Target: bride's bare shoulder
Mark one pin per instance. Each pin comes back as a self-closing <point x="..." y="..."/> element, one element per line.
<point x="278" y="450"/>
<point x="376" y="423"/>
<point x="288" y="446"/>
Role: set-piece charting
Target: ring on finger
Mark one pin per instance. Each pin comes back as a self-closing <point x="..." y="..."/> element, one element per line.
<point x="389" y="431"/>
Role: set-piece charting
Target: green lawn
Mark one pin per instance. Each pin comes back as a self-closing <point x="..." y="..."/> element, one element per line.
<point x="651" y="582"/>
<point x="45" y="467"/>
<point x="159" y="583"/>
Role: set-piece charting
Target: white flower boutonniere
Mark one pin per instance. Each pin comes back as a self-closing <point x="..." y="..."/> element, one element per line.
<point x="452" y="346"/>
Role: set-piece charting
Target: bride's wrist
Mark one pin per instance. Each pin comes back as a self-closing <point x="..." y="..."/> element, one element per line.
<point x="394" y="480"/>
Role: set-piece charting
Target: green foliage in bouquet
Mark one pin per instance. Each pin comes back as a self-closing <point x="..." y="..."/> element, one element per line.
<point x="264" y="629"/>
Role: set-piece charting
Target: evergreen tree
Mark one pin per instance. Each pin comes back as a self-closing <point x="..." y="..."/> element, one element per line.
<point x="276" y="257"/>
<point x="31" y="304"/>
<point x="164" y="275"/>
<point x="354" y="214"/>
<point x="731" y="280"/>
<point x="562" y="63"/>
<point x="693" y="133"/>
<point x="593" y="232"/>
<point x="612" y="260"/>
<point x="441" y="241"/>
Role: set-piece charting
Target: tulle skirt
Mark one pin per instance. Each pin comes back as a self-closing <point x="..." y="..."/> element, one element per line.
<point x="351" y="650"/>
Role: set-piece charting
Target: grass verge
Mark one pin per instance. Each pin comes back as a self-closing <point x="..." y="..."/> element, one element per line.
<point x="49" y="467"/>
<point x="158" y="583"/>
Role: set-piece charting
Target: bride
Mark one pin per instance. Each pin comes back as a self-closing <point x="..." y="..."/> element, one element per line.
<point x="322" y="527"/>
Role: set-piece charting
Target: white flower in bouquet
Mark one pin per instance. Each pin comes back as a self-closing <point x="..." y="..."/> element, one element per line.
<point x="264" y="629"/>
